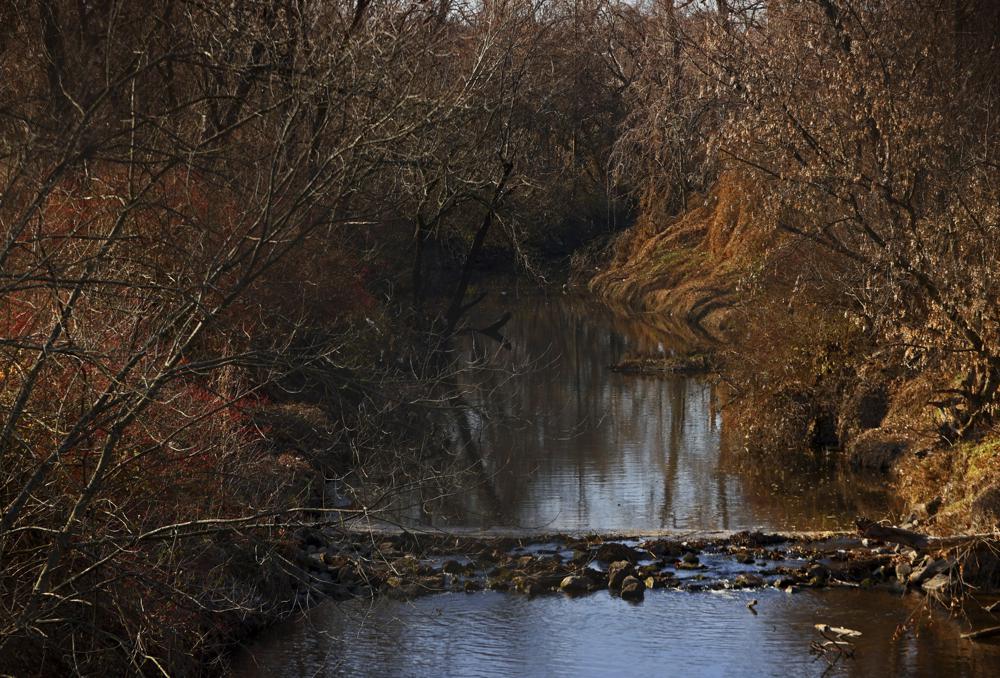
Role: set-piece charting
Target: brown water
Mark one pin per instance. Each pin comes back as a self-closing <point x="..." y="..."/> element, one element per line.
<point x="574" y="446"/>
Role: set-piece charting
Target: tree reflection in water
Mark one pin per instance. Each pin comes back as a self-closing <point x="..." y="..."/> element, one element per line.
<point x="570" y="445"/>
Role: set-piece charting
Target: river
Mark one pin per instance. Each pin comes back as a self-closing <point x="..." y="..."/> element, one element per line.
<point x="570" y="445"/>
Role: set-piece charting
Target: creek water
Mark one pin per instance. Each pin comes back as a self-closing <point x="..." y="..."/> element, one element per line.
<point x="570" y="445"/>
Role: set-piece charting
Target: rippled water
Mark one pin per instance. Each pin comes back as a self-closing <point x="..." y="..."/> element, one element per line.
<point x="578" y="447"/>
<point x="670" y="633"/>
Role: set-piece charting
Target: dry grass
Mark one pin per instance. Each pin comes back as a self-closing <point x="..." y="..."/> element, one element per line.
<point x="687" y="266"/>
<point x="966" y="476"/>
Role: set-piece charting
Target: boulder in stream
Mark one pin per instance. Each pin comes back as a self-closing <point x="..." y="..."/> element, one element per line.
<point x="819" y="575"/>
<point x="529" y="585"/>
<point x="618" y="572"/>
<point x="689" y="561"/>
<point x="664" y="548"/>
<point x="455" y="567"/>
<point x="633" y="589"/>
<point x="575" y="584"/>
<point x="748" y="580"/>
<point x="611" y="551"/>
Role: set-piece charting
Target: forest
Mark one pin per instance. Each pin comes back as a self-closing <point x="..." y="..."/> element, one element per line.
<point x="239" y="243"/>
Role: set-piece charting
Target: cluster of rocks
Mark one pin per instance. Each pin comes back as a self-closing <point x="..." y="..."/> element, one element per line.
<point x="937" y="577"/>
<point x="406" y="566"/>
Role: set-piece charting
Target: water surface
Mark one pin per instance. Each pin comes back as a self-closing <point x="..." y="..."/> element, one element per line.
<point x="561" y="442"/>
<point x="670" y="633"/>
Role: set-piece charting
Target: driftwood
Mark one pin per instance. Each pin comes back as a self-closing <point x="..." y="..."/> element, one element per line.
<point x="835" y="644"/>
<point x="839" y="631"/>
<point x="988" y="632"/>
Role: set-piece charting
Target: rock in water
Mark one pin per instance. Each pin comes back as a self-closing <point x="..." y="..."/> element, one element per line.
<point x="819" y="575"/>
<point x="453" y="567"/>
<point x="633" y="589"/>
<point x="618" y="572"/>
<point x="529" y="585"/>
<point x="610" y="552"/>
<point x="940" y="586"/>
<point x="689" y="561"/>
<point x="574" y="584"/>
<point x="928" y="568"/>
<point x="663" y="548"/>
<point x="749" y="580"/>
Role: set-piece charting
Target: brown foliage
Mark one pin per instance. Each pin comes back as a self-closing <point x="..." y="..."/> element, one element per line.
<point x="865" y="246"/>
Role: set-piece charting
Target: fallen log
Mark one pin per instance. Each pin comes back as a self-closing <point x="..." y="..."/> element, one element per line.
<point x="895" y="535"/>
<point x="988" y="632"/>
<point x="921" y="542"/>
